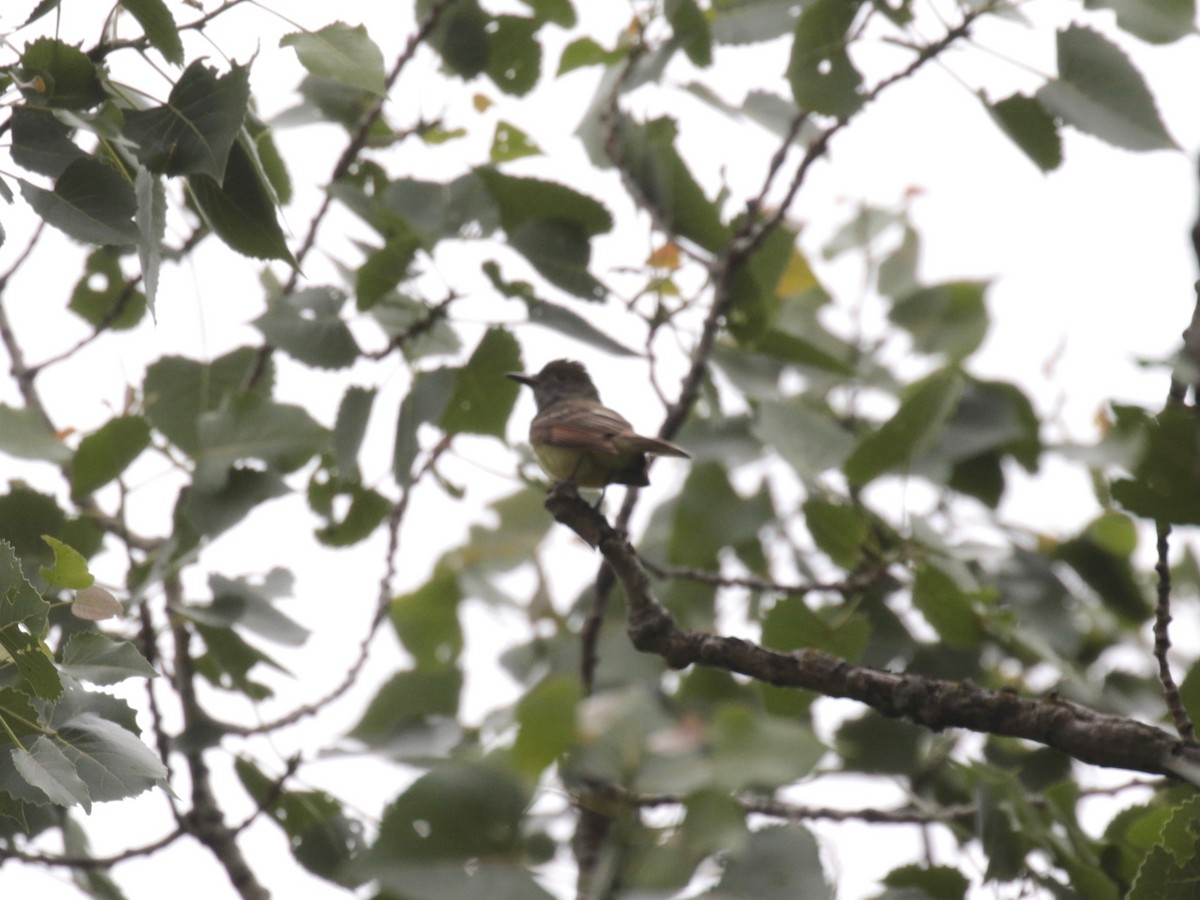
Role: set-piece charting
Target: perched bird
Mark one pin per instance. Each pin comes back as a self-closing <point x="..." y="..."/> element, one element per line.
<point x="577" y="438"/>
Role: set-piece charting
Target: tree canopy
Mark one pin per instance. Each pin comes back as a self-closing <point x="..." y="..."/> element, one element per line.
<point x="295" y="599"/>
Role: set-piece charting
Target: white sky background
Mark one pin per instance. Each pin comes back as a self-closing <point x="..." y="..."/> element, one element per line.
<point x="1092" y="265"/>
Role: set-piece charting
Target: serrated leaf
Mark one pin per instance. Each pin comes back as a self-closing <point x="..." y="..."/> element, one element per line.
<point x="42" y="143"/>
<point x="241" y="208"/>
<point x="483" y="397"/>
<point x="341" y="52"/>
<point x="385" y="268"/>
<point x="151" y="220"/>
<point x="914" y="427"/>
<point x="91" y="656"/>
<point x="178" y="390"/>
<point x="91" y="202"/>
<point x="822" y="77"/>
<point x="112" y="762"/>
<point x="159" y="27"/>
<point x="1099" y="91"/>
<point x="1030" y="127"/>
<point x="55" y="74"/>
<point x="649" y="157"/>
<point x="281" y="435"/>
<point x="1154" y="21"/>
<point x="49" y="770"/>
<point x="308" y="326"/>
<point x="194" y="131"/>
<point x="106" y="453"/>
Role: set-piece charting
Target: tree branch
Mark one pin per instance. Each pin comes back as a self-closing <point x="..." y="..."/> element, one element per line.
<point x="1084" y="734"/>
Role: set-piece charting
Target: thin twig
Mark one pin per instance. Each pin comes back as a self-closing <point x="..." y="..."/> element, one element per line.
<point x="382" y="605"/>
<point x="1162" y="638"/>
<point x="852" y="584"/>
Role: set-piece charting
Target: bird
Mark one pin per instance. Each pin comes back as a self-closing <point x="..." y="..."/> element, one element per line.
<point x="578" y="439"/>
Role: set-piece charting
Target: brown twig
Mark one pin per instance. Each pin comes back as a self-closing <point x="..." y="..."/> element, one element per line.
<point x="1082" y="733"/>
<point x="382" y="605"/>
<point x="205" y="821"/>
<point x="1162" y="638"/>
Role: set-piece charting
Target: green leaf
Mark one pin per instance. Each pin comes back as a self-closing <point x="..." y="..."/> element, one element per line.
<point x="758" y="751"/>
<point x="469" y="810"/>
<point x="557" y="318"/>
<point x="649" y="157"/>
<point x="822" y="77"/>
<point x="192" y="133"/>
<point x="914" y="428"/>
<point x="1099" y="91"/>
<point x="838" y="529"/>
<point x="1030" y="127"/>
<point x="208" y="513"/>
<point x="947" y="607"/>
<point x="49" y="770"/>
<point x="25" y="434"/>
<point x="252" y="606"/>
<point x="60" y="76"/>
<point x="753" y="21"/>
<point x="1165" y="486"/>
<point x="934" y="882"/>
<point x="42" y="143"/>
<point x="70" y="568"/>
<point x="91" y="656"/>
<point x="809" y="437"/>
<point x="241" y="208"/>
<point x="583" y="52"/>
<point x="113" y="762"/>
<point x="509" y="142"/>
<point x="358" y="520"/>
<point x="104" y="297"/>
<point x="343" y="53"/>
<point x="1171" y="869"/>
<point x="558" y="12"/>
<point x="91" y="202"/>
<point x="23" y="615"/>
<point x="350" y="427"/>
<point x="546" y="722"/>
<point x="106" y="453"/>
<point x="385" y="268"/>
<point x="778" y="863"/>
<point x="281" y="435"/>
<point x="151" y="220"/>
<point x="691" y="30"/>
<point x="790" y="625"/>
<point x="514" y="59"/>
<point x="320" y="835"/>
<point x="26" y="515"/>
<point x="426" y="621"/>
<point x="177" y="391"/>
<point x="949" y="319"/>
<point x="409" y="701"/>
<point x="426" y="401"/>
<point x="483" y="398"/>
<point x="1154" y="21"/>
<point x="560" y="251"/>
<point x="433" y="211"/>
<point x="159" y="27"/>
<point x="521" y="201"/>
<point x="308" y="326"/>
<point x="461" y="37"/>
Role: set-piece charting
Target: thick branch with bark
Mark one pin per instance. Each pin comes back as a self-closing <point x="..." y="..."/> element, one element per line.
<point x="1082" y="733"/>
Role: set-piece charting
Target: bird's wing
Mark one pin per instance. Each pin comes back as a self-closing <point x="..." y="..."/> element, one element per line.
<point x="579" y="425"/>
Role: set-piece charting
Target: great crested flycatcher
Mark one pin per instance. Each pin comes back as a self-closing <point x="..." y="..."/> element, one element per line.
<point x="577" y="438"/>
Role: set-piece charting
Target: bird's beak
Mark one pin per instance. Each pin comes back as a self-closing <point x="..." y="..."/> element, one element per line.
<point x="521" y="377"/>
